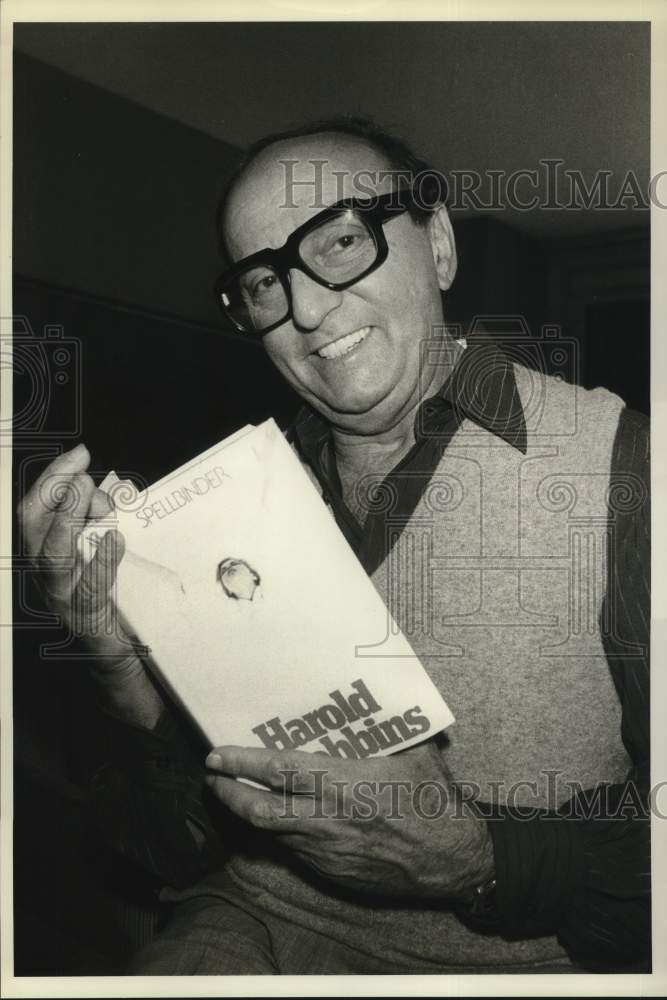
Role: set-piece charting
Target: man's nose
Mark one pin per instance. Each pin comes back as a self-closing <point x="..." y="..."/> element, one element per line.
<point x="311" y="302"/>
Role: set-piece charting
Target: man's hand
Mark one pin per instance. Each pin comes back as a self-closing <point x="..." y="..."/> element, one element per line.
<point x="388" y="826"/>
<point x="63" y="500"/>
<point x="52" y="515"/>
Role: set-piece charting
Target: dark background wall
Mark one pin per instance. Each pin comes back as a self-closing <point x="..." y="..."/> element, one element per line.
<point x="496" y="95"/>
<point x="111" y="198"/>
<point x="114" y="242"/>
<point x="119" y="343"/>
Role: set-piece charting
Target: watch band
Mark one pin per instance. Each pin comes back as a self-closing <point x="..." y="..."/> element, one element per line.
<point x="479" y="909"/>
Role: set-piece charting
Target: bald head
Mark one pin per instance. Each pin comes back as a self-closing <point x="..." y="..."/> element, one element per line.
<point x="389" y="152"/>
<point x="306" y="174"/>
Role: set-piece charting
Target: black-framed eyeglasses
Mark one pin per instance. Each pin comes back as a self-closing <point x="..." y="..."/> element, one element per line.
<point x="336" y="248"/>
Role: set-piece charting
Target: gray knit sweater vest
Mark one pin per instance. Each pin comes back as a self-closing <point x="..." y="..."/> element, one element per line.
<point x="497" y="580"/>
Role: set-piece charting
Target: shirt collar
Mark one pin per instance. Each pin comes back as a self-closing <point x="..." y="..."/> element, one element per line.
<point x="482" y="387"/>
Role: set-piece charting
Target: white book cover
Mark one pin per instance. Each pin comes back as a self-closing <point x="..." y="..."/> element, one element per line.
<point x="256" y="610"/>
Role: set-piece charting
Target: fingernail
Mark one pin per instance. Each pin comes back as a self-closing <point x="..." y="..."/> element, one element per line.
<point x="214" y="761"/>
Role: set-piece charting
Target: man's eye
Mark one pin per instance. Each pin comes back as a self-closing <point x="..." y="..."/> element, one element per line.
<point x="264" y="283"/>
<point x="259" y="286"/>
<point x="347" y="241"/>
<point x="343" y="245"/>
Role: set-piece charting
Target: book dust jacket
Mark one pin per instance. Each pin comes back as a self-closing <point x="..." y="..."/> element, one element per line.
<point x="256" y="612"/>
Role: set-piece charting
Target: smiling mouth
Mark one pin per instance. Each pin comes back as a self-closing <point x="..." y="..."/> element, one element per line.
<point x="344" y="344"/>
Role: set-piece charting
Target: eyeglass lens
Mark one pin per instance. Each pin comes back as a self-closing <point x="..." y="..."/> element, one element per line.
<point x="337" y="251"/>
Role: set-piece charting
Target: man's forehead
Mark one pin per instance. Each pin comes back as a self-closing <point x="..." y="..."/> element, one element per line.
<point x="296" y="178"/>
<point x="328" y="164"/>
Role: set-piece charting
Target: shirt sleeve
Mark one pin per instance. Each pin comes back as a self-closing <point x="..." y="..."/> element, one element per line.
<point x="149" y="801"/>
<point x="584" y="873"/>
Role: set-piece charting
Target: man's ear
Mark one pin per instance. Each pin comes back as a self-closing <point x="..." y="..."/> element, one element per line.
<point x="443" y="246"/>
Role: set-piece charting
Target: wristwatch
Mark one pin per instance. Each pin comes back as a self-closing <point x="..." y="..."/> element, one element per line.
<point x="479" y="907"/>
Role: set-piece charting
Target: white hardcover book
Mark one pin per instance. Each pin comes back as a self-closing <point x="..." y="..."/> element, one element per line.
<point x="257" y="612"/>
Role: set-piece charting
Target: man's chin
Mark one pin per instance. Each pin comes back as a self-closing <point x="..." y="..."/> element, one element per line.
<point x="372" y="414"/>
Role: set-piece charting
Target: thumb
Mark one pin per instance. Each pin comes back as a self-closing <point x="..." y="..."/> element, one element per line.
<point x="101" y="505"/>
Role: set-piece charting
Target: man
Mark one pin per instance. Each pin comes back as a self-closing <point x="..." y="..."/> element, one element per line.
<point x="468" y="492"/>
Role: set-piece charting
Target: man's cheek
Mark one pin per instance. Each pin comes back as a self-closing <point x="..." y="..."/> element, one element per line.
<point x="299" y="373"/>
<point x="283" y="359"/>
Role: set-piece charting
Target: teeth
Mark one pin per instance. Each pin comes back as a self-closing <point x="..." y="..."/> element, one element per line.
<point x="345" y="344"/>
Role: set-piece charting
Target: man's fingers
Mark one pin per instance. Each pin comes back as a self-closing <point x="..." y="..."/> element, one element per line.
<point x="59" y="549"/>
<point x="266" y="810"/>
<point x="425" y="761"/>
<point x="296" y="771"/>
<point x="99" y="576"/>
<point x="50" y="491"/>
